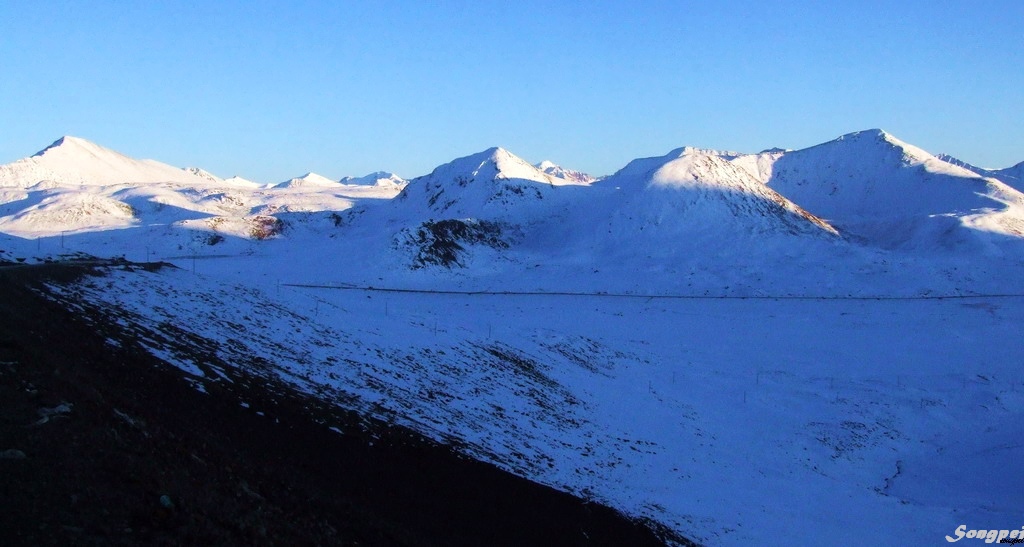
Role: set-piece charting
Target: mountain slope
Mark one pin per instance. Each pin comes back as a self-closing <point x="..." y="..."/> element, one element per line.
<point x="759" y="165"/>
<point x="726" y="419"/>
<point x="247" y="462"/>
<point x="700" y="189"/>
<point x="1012" y="176"/>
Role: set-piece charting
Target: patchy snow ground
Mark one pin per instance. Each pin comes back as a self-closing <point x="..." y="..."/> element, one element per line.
<point x="730" y="420"/>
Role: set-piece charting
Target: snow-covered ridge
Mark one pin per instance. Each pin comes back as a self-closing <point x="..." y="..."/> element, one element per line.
<point x="1011" y="176"/>
<point x="379" y="178"/>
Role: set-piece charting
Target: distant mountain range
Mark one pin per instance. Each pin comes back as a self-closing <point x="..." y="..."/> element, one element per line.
<point x="864" y="190"/>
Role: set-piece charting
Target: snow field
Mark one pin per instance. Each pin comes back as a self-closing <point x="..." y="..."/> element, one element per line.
<point x="729" y="420"/>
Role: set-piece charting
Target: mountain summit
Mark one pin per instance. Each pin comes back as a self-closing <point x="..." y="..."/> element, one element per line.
<point x="309" y="180"/>
<point x="77" y="162"/>
<point x="488" y="183"/>
<point x="892" y="193"/>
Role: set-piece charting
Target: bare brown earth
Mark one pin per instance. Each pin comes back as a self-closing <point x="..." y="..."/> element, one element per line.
<point x="103" y="444"/>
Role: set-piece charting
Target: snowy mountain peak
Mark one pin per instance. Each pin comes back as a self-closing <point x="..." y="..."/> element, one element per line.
<point x="555" y="170"/>
<point x="493" y="163"/>
<point x="757" y="165"/>
<point x="66" y="142"/>
<point x="895" y="195"/>
<point x="878" y="141"/>
<point x="309" y="180"/>
<point x="696" y="151"/>
<point x="876" y="134"/>
<point x="505" y="164"/>
<point x="492" y="180"/>
<point x="75" y="161"/>
<point x="68" y="146"/>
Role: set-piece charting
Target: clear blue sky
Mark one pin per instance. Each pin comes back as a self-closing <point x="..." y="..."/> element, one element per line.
<point x="270" y="90"/>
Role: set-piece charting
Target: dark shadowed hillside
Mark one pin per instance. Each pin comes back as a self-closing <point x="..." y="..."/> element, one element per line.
<point x="102" y="444"/>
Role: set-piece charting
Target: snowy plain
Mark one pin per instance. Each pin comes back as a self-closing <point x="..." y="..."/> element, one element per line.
<point x="736" y="352"/>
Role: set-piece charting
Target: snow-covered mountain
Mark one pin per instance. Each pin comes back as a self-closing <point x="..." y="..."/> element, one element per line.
<point x="75" y="161"/>
<point x="492" y="183"/>
<point x="700" y="189"/>
<point x="556" y="170"/>
<point x="886" y="192"/>
<point x="309" y="180"/>
<point x="378" y="178"/>
<point x="484" y="202"/>
<point x="495" y="212"/>
<point x="867" y="186"/>
<point x="76" y="186"/>
<point x="661" y="206"/>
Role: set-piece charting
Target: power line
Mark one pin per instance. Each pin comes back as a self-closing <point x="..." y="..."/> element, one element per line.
<point x="349" y="287"/>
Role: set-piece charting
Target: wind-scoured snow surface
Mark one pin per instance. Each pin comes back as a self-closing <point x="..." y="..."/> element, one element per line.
<point x="733" y="345"/>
